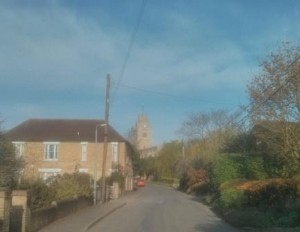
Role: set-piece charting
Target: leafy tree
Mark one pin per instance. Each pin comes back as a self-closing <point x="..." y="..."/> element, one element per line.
<point x="137" y="163"/>
<point x="131" y="136"/>
<point x="168" y="159"/>
<point x="148" y="167"/>
<point x="10" y="165"/>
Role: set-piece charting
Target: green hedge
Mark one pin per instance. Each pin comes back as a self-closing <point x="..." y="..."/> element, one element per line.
<point x="231" y="199"/>
<point x="224" y="169"/>
<point x="236" y="166"/>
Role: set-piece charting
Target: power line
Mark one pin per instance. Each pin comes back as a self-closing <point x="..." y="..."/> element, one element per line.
<point x="147" y="90"/>
<point x="130" y="46"/>
<point x="165" y="94"/>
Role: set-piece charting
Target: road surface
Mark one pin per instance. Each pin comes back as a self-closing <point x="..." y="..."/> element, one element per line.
<point x="158" y="208"/>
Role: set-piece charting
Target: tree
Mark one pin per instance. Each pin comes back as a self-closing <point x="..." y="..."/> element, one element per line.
<point x="131" y="136"/>
<point x="168" y="159"/>
<point x="275" y="106"/>
<point x="10" y="165"/>
<point x="275" y="92"/>
<point x="207" y="133"/>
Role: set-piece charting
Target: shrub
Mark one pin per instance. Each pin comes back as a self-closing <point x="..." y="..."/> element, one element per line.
<point x="223" y="169"/>
<point x="69" y="185"/>
<point x="231" y="199"/>
<point x="253" y="217"/>
<point x="271" y="193"/>
<point x="291" y="219"/>
<point x="237" y="166"/>
<point x="195" y="180"/>
<point x="117" y="177"/>
<point x="253" y="167"/>
<point x="250" y="217"/>
<point x="231" y="184"/>
<point x="183" y="182"/>
<point x="41" y="194"/>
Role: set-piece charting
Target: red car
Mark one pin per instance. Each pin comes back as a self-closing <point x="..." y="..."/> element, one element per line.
<point x="140" y="183"/>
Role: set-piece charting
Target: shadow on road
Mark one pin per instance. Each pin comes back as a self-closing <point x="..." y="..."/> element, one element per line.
<point x="215" y="228"/>
<point x="219" y="225"/>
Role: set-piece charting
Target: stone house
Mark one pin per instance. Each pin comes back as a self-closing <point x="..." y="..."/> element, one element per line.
<point x="56" y="146"/>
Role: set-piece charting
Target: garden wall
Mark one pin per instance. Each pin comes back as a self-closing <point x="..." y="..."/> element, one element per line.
<point x="44" y="216"/>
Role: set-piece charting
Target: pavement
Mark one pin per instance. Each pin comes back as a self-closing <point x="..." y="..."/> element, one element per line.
<point x="83" y="220"/>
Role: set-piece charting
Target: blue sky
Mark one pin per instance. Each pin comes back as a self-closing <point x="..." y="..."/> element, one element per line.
<point x="187" y="56"/>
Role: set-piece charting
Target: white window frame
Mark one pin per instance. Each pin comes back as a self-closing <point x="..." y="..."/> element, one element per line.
<point x="47" y="151"/>
<point x="83" y="170"/>
<point x="115" y="152"/>
<point x="84" y="151"/>
<point x="19" y="147"/>
<point x="46" y="173"/>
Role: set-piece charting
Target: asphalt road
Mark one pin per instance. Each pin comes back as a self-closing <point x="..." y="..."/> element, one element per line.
<point x="158" y="208"/>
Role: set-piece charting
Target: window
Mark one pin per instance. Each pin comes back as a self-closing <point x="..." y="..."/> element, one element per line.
<point x="83" y="170"/>
<point x="19" y="147"/>
<point x="46" y="173"/>
<point x="114" y="152"/>
<point x="51" y="151"/>
<point x="84" y="150"/>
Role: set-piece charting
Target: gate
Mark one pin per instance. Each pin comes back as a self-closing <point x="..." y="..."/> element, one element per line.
<point x="16" y="215"/>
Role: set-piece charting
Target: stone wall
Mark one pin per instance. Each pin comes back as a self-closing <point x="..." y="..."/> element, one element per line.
<point x="5" y="205"/>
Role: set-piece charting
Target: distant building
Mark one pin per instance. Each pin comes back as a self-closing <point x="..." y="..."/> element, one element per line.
<point x="149" y="152"/>
<point x="141" y="138"/>
<point x="143" y="133"/>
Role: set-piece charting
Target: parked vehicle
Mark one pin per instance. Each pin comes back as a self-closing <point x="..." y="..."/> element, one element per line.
<point x="140" y="183"/>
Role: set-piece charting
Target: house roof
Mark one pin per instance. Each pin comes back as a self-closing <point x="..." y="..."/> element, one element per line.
<point x="62" y="130"/>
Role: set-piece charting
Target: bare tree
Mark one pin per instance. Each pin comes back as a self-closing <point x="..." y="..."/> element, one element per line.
<point x="275" y="108"/>
<point x="207" y="133"/>
<point x="275" y="92"/>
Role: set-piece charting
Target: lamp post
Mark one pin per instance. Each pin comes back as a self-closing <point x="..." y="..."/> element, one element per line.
<point x="96" y="163"/>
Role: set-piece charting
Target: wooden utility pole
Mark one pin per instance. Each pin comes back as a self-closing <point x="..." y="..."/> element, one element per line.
<point x="103" y="189"/>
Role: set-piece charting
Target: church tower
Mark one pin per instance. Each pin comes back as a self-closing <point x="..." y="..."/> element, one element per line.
<point x="143" y="132"/>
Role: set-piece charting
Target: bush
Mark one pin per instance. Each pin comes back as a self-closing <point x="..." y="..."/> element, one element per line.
<point x="271" y="193"/>
<point x="253" y="217"/>
<point x="231" y="199"/>
<point x="250" y="217"/>
<point x="117" y="177"/>
<point x="68" y="186"/>
<point x="253" y="167"/>
<point x="195" y="180"/>
<point x="41" y="194"/>
<point x="237" y="166"/>
<point x="224" y="169"/>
